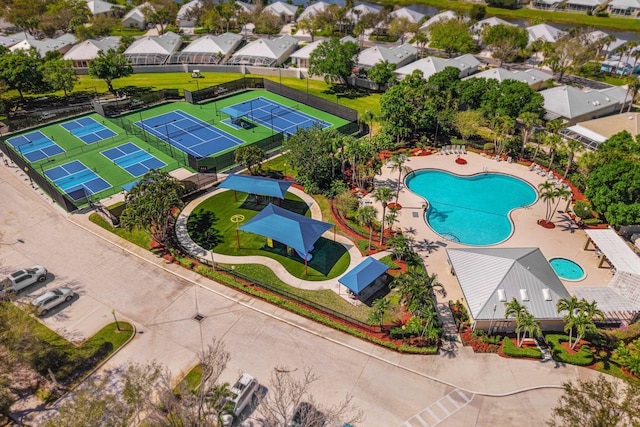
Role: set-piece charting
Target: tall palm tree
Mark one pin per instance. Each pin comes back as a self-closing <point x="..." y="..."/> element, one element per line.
<point x="591" y="309"/>
<point x="571" y="306"/>
<point x="606" y="41"/>
<point x="420" y="39"/>
<point x="633" y="85"/>
<point x="400" y="246"/>
<point x="515" y="309"/>
<point x="571" y="147"/>
<point x="365" y="216"/>
<point x="553" y="141"/>
<point x="384" y="196"/>
<point x="378" y="310"/>
<point x="583" y="325"/>
<point x="528" y="324"/>
<point x="548" y="195"/>
<point x="398" y="161"/>
<point x="561" y="193"/>
<point x="369" y="117"/>
<point x="434" y="286"/>
<point x="503" y="127"/>
<point x="529" y="120"/>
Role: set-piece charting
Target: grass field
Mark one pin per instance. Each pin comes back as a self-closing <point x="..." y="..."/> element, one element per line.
<point x="329" y="259"/>
<point x="90" y="154"/>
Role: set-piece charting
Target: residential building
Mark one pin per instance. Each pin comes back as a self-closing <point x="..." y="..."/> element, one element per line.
<point x="153" y="50"/>
<point x="83" y="52"/>
<point x="265" y="52"/>
<point x="208" y="49"/>
<point x="467" y="64"/>
<point x="300" y="58"/>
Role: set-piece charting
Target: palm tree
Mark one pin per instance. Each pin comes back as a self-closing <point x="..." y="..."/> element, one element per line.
<point x="529" y="120"/>
<point x="583" y="325"/>
<point x="633" y="85"/>
<point x="400" y="246"/>
<point x="398" y="165"/>
<point x="606" y="41"/>
<point x="621" y="51"/>
<point x="591" y="309"/>
<point x="561" y="193"/>
<point x="514" y="308"/>
<point x="420" y="39"/>
<point x="502" y="128"/>
<point x="571" y="306"/>
<point x="365" y="216"/>
<point x="434" y="286"/>
<point x="571" y="147"/>
<point x="384" y="196"/>
<point x="552" y="140"/>
<point x="378" y="310"/>
<point x="528" y="324"/>
<point x="548" y="195"/>
<point x="369" y="117"/>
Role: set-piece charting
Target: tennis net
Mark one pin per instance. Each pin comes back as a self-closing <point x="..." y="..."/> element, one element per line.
<point x="277" y="111"/>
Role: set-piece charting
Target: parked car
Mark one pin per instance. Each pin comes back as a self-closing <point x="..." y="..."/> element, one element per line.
<point x="19" y="280"/>
<point x="51" y="299"/>
<point x="306" y="415"/>
<point x="241" y="394"/>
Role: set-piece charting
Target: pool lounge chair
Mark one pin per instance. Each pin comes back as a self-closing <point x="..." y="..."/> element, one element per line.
<point x="455" y="149"/>
<point x="509" y="159"/>
<point x="446" y="150"/>
<point x="533" y="166"/>
<point x="550" y="175"/>
<point x="464" y="149"/>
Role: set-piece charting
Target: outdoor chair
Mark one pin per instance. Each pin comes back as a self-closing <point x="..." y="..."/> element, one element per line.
<point x="464" y="149"/>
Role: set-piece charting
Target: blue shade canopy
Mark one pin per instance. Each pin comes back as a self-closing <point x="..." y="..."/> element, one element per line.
<point x="292" y="229"/>
<point x="363" y="274"/>
<point x="257" y="185"/>
<point x="234" y="112"/>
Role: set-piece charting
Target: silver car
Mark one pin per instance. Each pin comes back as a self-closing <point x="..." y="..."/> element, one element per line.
<point x="51" y="299"/>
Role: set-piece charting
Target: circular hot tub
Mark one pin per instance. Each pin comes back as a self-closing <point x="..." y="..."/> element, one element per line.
<point x="567" y="269"/>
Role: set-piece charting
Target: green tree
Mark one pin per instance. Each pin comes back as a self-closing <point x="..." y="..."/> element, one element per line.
<point x="26" y="14"/>
<point x="633" y="86"/>
<point x="60" y="75"/>
<point x="108" y="66"/>
<point x="512" y="98"/>
<point x="400" y="246"/>
<point x="384" y="196"/>
<point x="267" y="23"/>
<point x="571" y="306"/>
<point x="421" y="40"/>
<point x="161" y="12"/>
<point x="505" y="41"/>
<point x="571" y="147"/>
<point x="64" y="15"/>
<point x="614" y="183"/>
<point x="528" y="121"/>
<point x="310" y="24"/>
<point x="398" y="165"/>
<point x="517" y="310"/>
<point x="477" y="12"/>
<point x="570" y="51"/>
<point x="365" y="216"/>
<point x="378" y="310"/>
<point x="334" y="60"/>
<point x="598" y="403"/>
<point x="22" y="71"/>
<point x="382" y="73"/>
<point x="150" y="203"/>
<point x="251" y="157"/>
<point x="467" y="122"/>
<point x="400" y="27"/>
<point x="452" y="36"/>
<point x="528" y="325"/>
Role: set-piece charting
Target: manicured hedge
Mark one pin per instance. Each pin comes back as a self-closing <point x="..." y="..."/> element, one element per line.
<point x="584" y="357"/>
<point x="510" y="349"/>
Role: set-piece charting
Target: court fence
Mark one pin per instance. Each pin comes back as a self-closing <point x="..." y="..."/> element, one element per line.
<point x="128" y="101"/>
<point x="223" y="89"/>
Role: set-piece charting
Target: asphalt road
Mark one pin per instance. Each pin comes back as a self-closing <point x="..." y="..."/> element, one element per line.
<point x="392" y="389"/>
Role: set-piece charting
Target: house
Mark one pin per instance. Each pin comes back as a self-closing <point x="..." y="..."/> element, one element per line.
<point x="490" y="278"/>
<point x="444" y="16"/>
<point x="544" y="32"/>
<point x="478" y="28"/>
<point x="582" y="5"/>
<point x="536" y="79"/>
<point x="546" y="4"/>
<point x="85" y="51"/>
<point x="286" y="12"/>
<point x="208" y="49"/>
<point x="185" y="18"/>
<point x="153" y="50"/>
<point x="313" y="9"/>
<point x="135" y="17"/>
<point x="592" y="133"/>
<point x="467" y="64"/>
<point x="60" y="44"/>
<point x="575" y="105"/>
<point x="244" y="7"/>
<point x="300" y="58"/>
<point x="265" y="52"/>
<point x="101" y="7"/>
<point x="8" y="41"/>
<point x="624" y="7"/>
<point x="354" y="14"/>
<point x="399" y="55"/>
<point x="411" y="15"/>
<point x="608" y="48"/>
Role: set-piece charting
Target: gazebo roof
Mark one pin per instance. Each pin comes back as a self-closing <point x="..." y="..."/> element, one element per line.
<point x="294" y="230"/>
<point x="257" y="185"/>
<point x="363" y="274"/>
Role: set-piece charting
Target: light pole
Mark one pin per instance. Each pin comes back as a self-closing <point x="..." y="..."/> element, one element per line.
<point x="492" y="316"/>
<point x="285" y="169"/>
<point x="116" y="319"/>
<point x="144" y="134"/>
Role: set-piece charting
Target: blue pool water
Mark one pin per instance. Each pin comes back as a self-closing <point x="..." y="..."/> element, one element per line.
<point x="567" y="269"/>
<point x="473" y="210"/>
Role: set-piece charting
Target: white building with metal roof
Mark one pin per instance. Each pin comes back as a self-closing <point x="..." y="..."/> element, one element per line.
<point x="624" y="7"/>
<point x="83" y="52"/>
<point x="59" y="44"/>
<point x="265" y="52"/>
<point x="8" y="41"/>
<point x="467" y="64"/>
<point x="300" y="58"/>
<point x="399" y="55"/>
<point x="492" y="277"/>
<point x="592" y="133"/>
<point x="314" y="9"/>
<point x="99" y="7"/>
<point x="354" y="14"/>
<point x="286" y="12"/>
<point x="544" y="32"/>
<point x="411" y="15"/>
<point x="582" y="5"/>
<point x="446" y="15"/>
<point x="185" y="17"/>
<point x="208" y="49"/>
<point x="536" y="79"/>
<point x="153" y="50"/>
<point x="575" y="105"/>
<point x="135" y="17"/>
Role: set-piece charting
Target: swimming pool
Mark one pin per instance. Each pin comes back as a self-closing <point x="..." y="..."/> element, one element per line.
<point x="473" y="210"/>
<point x="567" y="269"/>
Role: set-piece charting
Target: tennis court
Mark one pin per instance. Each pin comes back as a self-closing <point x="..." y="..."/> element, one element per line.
<point x="189" y="134"/>
<point x="133" y="159"/>
<point x="77" y="180"/>
<point x="88" y="130"/>
<point x="274" y="115"/>
<point x="35" y="146"/>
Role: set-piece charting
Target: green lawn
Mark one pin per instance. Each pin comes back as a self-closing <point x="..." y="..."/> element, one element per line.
<point x="329" y="259"/>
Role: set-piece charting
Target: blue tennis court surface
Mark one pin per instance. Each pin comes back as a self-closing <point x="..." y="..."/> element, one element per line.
<point x="77" y="180"/>
<point x="88" y="130"/>
<point x="35" y="146"/>
<point x="189" y="134"/>
<point x="274" y="115"/>
<point x="133" y="159"/>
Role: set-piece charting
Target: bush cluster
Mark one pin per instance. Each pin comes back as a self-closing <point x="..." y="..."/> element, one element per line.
<point x="584" y="357"/>
<point x="510" y="349"/>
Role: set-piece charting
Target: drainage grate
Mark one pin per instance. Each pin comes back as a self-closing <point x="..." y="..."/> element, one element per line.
<point x="198" y="317"/>
<point x="415" y="214"/>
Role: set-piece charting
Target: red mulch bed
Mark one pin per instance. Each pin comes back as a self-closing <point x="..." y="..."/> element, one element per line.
<point x="461" y="161"/>
<point x="546" y="224"/>
<point x="393" y="205"/>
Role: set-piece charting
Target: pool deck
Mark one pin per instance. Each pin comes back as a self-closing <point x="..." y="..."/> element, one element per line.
<point x="566" y="240"/>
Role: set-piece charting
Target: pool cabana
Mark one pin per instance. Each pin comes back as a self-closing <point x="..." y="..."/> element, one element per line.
<point x="363" y="275"/>
<point x="296" y="231"/>
<point x="258" y="185"/>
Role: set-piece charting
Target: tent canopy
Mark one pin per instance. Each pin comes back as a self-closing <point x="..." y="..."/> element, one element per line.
<point x="292" y="229"/>
<point x="233" y="112"/>
<point x="363" y="274"/>
<point x="257" y="185"/>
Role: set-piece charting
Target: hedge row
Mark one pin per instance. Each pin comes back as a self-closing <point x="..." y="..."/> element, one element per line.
<point x="584" y="357"/>
<point x="510" y="349"/>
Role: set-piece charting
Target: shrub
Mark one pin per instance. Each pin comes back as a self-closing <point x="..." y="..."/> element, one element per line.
<point x="584" y="357"/>
<point x="510" y="349"/>
<point x="582" y="209"/>
<point x="495" y="339"/>
<point x="592" y="221"/>
<point x="488" y="147"/>
<point x="48" y="358"/>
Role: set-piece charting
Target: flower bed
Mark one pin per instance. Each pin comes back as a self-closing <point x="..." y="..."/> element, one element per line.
<point x="479" y="342"/>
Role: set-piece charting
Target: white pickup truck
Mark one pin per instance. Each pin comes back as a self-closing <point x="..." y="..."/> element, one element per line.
<point x="19" y="280"/>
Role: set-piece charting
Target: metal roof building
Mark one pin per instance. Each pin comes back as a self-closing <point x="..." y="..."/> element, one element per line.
<point x="265" y="52"/>
<point x="467" y="64"/>
<point x="313" y="9"/>
<point x="491" y="277"/>
<point x="301" y="56"/>
<point x="208" y="49"/>
<point x="575" y="105"/>
<point x="535" y="78"/>
<point x="153" y="50"/>
<point x="399" y="55"/>
<point x="87" y="50"/>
